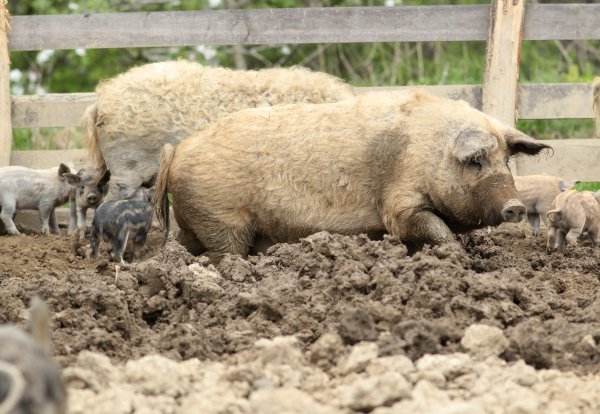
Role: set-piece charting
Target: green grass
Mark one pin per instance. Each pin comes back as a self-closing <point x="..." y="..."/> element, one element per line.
<point x="588" y="186"/>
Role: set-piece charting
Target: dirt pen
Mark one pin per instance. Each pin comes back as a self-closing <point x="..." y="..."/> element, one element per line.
<point x="332" y="324"/>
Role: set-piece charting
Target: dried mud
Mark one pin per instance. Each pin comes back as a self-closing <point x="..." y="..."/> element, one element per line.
<point x="344" y="309"/>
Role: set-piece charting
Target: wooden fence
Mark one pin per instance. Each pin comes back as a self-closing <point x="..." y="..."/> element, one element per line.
<point x="503" y="24"/>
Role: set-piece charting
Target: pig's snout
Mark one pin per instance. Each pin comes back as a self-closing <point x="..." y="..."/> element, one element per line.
<point x="513" y="211"/>
<point x="92" y="199"/>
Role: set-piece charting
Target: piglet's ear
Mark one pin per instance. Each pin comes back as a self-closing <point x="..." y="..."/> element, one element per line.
<point x="519" y="143"/>
<point x="72" y="179"/>
<point x="472" y="143"/>
<point x="63" y="169"/>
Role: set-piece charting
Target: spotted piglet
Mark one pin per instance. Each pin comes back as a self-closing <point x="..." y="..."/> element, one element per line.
<point x="117" y="221"/>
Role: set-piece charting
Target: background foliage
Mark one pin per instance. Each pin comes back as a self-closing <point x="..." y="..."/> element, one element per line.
<point x="367" y="64"/>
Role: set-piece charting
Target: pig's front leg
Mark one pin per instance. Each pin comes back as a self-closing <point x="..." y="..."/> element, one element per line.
<point x="6" y="215"/>
<point x="426" y="227"/>
<point x="81" y="212"/>
<point x="72" y="215"/>
<point x="403" y="216"/>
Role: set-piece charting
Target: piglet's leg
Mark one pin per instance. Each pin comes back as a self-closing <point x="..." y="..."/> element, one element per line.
<point x="6" y="215"/>
<point x="81" y="213"/>
<point x="551" y="244"/>
<point x="560" y="239"/>
<point x="573" y="235"/>
<point x="45" y="212"/>
<point x="120" y="244"/>
<point x="72" y="215"/>
<point x="53" y="222"/>
<point x="534" y="222"/>
<point x="594" y="234"/>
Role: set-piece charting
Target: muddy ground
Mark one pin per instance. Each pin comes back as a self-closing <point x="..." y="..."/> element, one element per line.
<point x="331" y="324"/>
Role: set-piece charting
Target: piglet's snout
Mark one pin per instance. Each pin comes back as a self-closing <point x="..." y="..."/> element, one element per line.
<point x="92" y="199"/>
<point x="513" y="211"/>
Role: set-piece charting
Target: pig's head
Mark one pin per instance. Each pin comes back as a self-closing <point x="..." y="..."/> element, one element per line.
<point x="90" y="186"/>
<point x="473" y="185"/>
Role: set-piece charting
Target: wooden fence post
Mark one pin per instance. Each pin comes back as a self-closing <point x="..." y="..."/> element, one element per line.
<point x="500" y="81"/>
<point x="5" y="113"/>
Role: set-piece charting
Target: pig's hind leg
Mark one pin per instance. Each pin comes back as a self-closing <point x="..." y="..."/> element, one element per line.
<point x="7" y="211"/>
<point x="594" y="234"/>
<point x="95" y="237"/>
<point x="138" y="242"/>
<point x="120" y="244"/>
<point x="227" y="240"/>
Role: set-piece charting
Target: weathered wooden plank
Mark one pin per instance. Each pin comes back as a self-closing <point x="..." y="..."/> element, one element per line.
<point x="555" y="100"/>
<point x="502" y="59"/>
<point x="5" y="118"/>
<point x="50" y="110"/>
<point x="573" y="159"/>
<point x="49" y="158"/>
<point x="562" y="22"/>
<point x="301" y="25"/>
<point x="251" y="26"/>
<point x="536" y="101"/>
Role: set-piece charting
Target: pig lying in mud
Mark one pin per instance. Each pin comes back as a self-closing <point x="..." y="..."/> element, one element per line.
<point x="117" y="221"/>
<point x="537" y="192"/>
<point x="572" y="214"/>
<point x="139" y="111"/>
<point x="24" y="188"/>
<point x="90" y="187"/>
<point x="414" y="165"/>
<point x="30" y="382"/>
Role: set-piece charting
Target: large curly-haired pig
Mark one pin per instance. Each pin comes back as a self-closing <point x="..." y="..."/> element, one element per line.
<point x="418" y="166"/>
<point x="139" y="111"/>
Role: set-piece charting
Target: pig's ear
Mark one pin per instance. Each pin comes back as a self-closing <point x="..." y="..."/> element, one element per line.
<point x="472" y="143"/>
<point x="104" y="179"/>
<point x="519" y="143"/>
<point x="63" y="169"/>
<point x="72" y="179"/>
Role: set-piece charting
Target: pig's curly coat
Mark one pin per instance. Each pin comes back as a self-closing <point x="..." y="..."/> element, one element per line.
<point x="137" y="112"/>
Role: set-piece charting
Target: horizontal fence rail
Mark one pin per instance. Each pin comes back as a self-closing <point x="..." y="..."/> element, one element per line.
<point x="573" y="159"/>
<point x="294" y="26"/>
<point x="536" y="101"/>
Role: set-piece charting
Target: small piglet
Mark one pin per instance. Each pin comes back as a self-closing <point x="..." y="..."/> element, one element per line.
<point x="536" y="193"/>
<point x="89" y="188"/>
<point x="117" y="221"/>
<point x="573" y="213"/>
<point x="23" y="188"/>
<point x="30" y="381"/>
